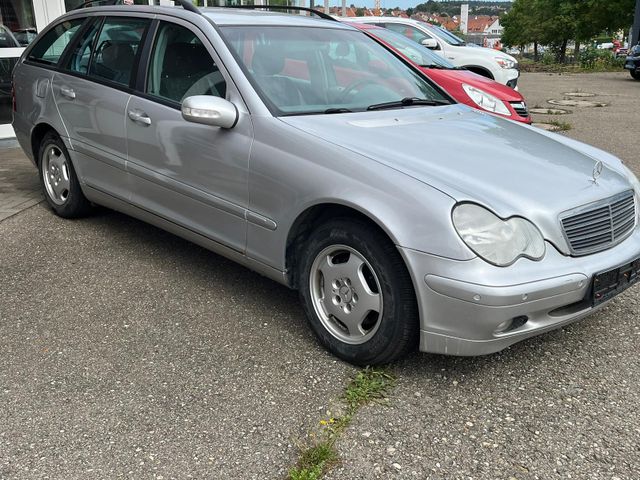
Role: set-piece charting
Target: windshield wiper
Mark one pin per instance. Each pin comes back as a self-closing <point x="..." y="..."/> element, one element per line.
<point x="436" y="66"/>
<point x="338" y="110"/>
<point x="407" y="102"/>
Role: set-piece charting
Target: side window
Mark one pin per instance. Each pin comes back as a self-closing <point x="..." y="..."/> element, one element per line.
<point x="81" y="53"/>
<point x="181" y="67"/>
<point x="114" y="54"/>
<point x="50" y="47"/>
<point x="408" y="31"/>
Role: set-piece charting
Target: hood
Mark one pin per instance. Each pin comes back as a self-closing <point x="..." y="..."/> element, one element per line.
<point x="473" y="156"/>
<point x="496" y="89"/>
<point x="489" y="52"/>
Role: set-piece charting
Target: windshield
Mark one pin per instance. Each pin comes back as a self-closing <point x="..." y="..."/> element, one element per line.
<point x="410" y="49"/>
<point x="302" y="70"/>
<point x="447" y="36"/>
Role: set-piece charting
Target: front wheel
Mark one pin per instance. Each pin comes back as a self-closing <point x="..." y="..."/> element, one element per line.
<point x="357" y="293"/>
<point x="635" y="74"/>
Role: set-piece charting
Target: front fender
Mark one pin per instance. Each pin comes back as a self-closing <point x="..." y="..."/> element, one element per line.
<point x="292" y="171"/>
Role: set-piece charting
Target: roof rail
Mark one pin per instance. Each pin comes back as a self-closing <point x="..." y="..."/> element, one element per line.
<point x="183" y="3"/>
<point x="287" y="7"/>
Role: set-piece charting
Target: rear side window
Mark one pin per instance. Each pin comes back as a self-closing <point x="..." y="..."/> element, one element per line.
<point x="181" y="67"/>
<point x="49" y="48"/>
<point x="114" y="53"/>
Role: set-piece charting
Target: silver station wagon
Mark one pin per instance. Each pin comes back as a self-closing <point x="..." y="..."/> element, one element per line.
<point x="314" y="156"/>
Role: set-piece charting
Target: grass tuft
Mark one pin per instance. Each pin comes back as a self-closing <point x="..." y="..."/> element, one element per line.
<point x="369" y="385"/>
<point x="560" y="126"/>
<point x="317" y="457"/>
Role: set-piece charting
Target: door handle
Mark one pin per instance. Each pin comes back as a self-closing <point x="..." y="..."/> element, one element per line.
<point x="139" y="117"/>
<point x="68" y="92"/>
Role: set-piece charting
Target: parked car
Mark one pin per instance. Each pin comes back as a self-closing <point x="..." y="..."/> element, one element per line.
<point x="498" y="66"/>
<point x="308" y="152"/>
<point x="25" y="35"/>
<point x="7" y="40"/>
<point x="632" y="63"/>
<point x="605" y="46"/>
<point x="465" y="86"/>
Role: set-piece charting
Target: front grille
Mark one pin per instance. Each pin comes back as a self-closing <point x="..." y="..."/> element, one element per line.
<point x="520" y="108"/>
<point x="600" y="225"/>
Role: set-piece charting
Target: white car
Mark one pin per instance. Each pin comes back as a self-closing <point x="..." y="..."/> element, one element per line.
<point x="487" y="62"/>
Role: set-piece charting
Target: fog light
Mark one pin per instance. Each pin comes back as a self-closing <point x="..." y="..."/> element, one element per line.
<point x="504" y="326"/>
<point x="511" y="324"/>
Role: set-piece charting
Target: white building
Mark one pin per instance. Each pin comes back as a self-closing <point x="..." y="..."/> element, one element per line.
<point x="495" y="28"/>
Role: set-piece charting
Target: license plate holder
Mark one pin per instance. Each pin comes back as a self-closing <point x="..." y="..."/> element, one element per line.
<point x="610" y="283"/>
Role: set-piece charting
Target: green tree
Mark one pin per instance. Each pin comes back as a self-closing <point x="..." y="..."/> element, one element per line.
<point x="556" y="22"/>
<point x="521" y="25"/>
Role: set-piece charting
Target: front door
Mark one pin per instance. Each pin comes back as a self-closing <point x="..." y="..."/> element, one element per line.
<point x="191" y="174"/>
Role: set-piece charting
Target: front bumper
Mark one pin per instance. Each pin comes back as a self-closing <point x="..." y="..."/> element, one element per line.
<point x="507" y="76"/>
<point x="474" y="308"/>
<point x="632" y="63"/>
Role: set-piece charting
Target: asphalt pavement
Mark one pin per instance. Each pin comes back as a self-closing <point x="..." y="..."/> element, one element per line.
<point x="126" y="352"/>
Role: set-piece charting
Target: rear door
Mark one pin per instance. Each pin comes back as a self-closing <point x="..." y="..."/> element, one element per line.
<point x="92" y="90"/>
<point x="192" y="174"/>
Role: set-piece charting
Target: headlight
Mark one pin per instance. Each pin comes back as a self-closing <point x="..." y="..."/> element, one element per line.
<point x="635" y="183"/>
<point x="633" y="180"/>
<point x="500" y="242"/>
<point x="505" y="62"/>
<point x="485" y="100"/>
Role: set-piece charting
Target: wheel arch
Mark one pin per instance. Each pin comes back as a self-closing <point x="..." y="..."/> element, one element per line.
<point x="37" y="135"/>
<point x="480" y="70"/>
<point x="318" y="214"/>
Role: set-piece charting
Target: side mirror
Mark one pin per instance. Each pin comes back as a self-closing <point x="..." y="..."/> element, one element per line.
<point x="429" y="43"/>
<point x="210" y="110"/>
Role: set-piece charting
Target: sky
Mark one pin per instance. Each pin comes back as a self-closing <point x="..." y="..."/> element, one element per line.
<point x="383" y="3"/>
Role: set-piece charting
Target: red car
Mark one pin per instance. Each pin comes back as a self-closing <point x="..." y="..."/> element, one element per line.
<point x="464" y="86"/>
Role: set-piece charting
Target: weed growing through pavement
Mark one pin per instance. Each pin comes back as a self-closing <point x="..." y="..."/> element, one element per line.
<point x="319" y="454"/>
<point x="560" y="126"/>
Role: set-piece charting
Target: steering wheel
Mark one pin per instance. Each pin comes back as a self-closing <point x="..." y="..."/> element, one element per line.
<point x="355" y="86"/>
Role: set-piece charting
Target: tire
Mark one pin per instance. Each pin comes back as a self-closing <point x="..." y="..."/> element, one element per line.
<point x="635" y="74"/>
<point x="59" y="180"/>
<point x="357" y="293"/>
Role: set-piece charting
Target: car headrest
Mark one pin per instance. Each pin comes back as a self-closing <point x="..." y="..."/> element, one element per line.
<point x="342" y="49"/>
<point x="267" y="60"/>
<point x="118" y="56"/>
<point x="186" y="59"/>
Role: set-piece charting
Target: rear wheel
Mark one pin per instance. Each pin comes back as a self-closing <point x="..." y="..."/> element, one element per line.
<point x="635" y="74"/>
<point x="357" y="293"/>
<point x="59" y="181"/>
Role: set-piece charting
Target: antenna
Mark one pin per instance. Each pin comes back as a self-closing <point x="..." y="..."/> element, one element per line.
<point x="188" y="6"/>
